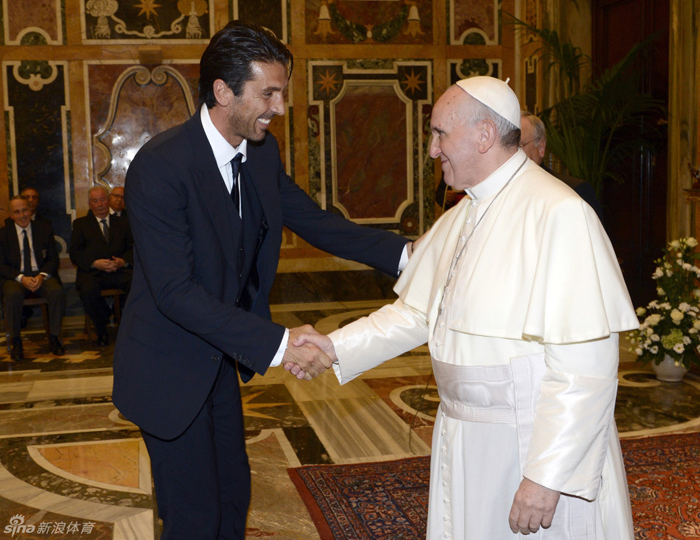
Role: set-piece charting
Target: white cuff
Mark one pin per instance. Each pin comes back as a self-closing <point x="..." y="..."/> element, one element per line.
<point x="277" y="359"/>
<point x="404" y="258"/>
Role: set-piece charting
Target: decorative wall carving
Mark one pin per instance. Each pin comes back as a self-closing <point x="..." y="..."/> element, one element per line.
<point x="138" y="20"/>
<point x="368" y="140"/>
<point x="363" y="21"/>
<point x="143" y="102"/>
<point x="472" y="67"/>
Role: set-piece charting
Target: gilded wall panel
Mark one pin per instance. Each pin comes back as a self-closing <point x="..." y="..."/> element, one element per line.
<point x="129" y="104"/>
<point x="368" y="139"/>
<point x="366" y="21"/>
<point x="272" y="14"/>
<point x="32" y="22"/>
<point x="474" y="22"/>
<point x="125" y="21"/>
<point x="37" y="129"/>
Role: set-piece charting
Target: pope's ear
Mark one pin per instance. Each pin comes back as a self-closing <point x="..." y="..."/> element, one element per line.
<point x="488" y="135"/>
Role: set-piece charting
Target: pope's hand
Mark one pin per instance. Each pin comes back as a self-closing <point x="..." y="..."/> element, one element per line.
<point x="304" y="360"/>
<point x="533" y="507"/>
<point x="304" y="337"/>
<point x="322" y="342"/>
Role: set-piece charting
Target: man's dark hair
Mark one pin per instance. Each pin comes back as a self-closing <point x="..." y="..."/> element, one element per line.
<point x="230" y="55"/>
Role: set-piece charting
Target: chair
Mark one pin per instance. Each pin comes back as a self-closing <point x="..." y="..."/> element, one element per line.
<point x="32" y="301"/>
<point x="114" y="294"/>
<point x="44" y="303"/>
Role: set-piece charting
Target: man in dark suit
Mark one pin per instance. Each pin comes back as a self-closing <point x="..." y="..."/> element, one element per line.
<point x="207" y="202"/>
<point x="29" y="266"/>
<point x="116" y="202"/>
<point x="533" y="141"/>
<point x="101" y="247"/>
<point x="33" y="198"/>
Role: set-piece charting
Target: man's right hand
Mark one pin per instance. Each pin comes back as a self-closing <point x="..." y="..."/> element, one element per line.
<point x="307" y="361"/>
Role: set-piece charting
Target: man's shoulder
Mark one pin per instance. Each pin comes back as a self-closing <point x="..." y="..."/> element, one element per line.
<point x="6" y="229"/>
<point x="42" y="227"/>
<point x="171" y="142"/>
<point x="83" y="221"/>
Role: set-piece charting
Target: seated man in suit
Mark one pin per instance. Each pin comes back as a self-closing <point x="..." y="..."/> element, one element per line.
<point x="101" y="248"/>
<point x="116" y="202"/>
<point x="33" y="199"/>
<point x="29" y="265"/>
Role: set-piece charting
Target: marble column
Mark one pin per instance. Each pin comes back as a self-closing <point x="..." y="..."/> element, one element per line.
<point x="683" y="110"/>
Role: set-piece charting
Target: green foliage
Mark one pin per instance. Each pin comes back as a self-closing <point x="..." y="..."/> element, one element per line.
<point x="594" y="128"/>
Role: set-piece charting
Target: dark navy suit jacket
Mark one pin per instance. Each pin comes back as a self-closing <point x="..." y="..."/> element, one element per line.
<point x="43" y="244"/>
<point x="181" y="317"/>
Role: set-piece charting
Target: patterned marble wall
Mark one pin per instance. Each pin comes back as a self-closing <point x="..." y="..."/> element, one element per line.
<point x="37" y="116"/>
<point x="119" y="21"/>
<point x="129" y="104"/>
<point x="367" y="140"/>
<point x="26" y="22"/>
<point x="86" y="82"/>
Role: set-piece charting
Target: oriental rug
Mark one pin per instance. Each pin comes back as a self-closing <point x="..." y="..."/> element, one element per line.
<point x="389" y="500"/>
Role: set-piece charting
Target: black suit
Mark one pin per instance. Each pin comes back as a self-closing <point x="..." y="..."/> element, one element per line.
<point x="199" y="301"/>
<point x="88" y="244"/>
<point x="43" y="247"/>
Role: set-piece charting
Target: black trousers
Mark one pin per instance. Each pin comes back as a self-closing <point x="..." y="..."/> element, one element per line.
<point x="13" y="294"/>
<point x="202" y="478"/>
<point x="90" y="288"/>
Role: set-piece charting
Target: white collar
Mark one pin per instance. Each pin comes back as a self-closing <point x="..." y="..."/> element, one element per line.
<point x="223" y="151"/>
<point x="497" y="179"/>
<point x="20" y="229"/>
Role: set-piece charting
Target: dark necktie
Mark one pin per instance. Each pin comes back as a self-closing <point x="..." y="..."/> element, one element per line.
<point x="105" y="229"/>
<point x="27" y="255"/>
<point x="235" y="169"/>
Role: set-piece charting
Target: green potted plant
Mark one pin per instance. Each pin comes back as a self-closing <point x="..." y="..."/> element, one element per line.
<point x="594" y="127"/>
<point x="669" y="333"/>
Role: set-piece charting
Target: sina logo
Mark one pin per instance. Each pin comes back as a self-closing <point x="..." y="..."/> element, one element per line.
<point x="17" y="526"/>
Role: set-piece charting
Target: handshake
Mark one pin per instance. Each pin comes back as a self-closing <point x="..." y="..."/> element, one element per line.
<point x="308" y="353"/>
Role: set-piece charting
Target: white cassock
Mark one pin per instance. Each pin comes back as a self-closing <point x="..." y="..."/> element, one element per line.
<point x="519" y="294"/>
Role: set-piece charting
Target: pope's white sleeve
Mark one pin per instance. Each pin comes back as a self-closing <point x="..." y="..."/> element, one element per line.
<point x="388" y="332"/>
<point x="574" y="416"/>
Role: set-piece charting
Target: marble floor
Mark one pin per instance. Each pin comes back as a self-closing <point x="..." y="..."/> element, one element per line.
<point x="72" y="467"/>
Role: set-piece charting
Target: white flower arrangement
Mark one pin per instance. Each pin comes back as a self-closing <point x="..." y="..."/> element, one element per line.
<point x="670" y="325"/>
